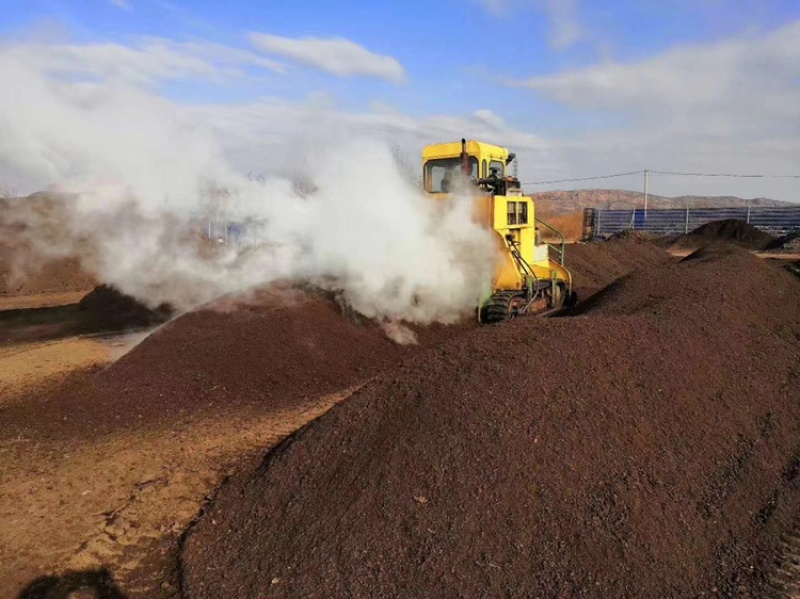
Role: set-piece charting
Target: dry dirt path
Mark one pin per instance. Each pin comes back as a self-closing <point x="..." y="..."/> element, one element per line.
<point x="40" y="300"/>
<point x="27" y="365"/>
<point x="111" y="511"/>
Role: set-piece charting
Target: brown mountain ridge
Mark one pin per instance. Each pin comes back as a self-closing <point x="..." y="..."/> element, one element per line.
<point x="565" y="202"/>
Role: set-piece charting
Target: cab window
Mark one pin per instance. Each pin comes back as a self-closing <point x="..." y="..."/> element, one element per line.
<point x="517" y="213"/>
<point x="501" y="169"/>
<point x="440" y="174"/>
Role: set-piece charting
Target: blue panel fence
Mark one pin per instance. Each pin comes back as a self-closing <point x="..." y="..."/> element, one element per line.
<point x="603" y="223"/>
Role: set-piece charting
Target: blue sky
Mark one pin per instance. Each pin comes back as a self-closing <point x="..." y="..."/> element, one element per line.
<point x="532" y="68"/>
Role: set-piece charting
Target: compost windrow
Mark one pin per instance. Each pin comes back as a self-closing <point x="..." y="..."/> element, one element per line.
<point x="643" y="448"/>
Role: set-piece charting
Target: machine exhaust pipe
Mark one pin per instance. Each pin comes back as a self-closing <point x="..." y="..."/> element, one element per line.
<point x="464" y="157"/>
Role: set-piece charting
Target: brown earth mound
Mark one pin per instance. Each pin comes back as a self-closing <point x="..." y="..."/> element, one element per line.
<point x="106" y="308"/>
<point x="249" y="352"/>
<point x="102" y="310"/>
<point x="648" y="448"/>
<point x="33" y="274"/>
<point x="634" y="235"/>
<point x="273" y="349"/>
<point x="726" y="231"/>
<point x="24" y="270"/>
<point x="596" y="265"/>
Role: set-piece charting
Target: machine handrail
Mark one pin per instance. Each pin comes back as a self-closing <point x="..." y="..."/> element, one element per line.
<point x="560" y="252"/>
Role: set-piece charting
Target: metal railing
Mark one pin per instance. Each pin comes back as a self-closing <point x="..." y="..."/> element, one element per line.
<point x="560" y="252"/>
<point x="603" y="223"/>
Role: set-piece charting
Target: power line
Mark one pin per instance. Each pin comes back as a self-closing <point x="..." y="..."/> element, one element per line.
<point x="724" y="175"/>
<point x="584" y="178"/>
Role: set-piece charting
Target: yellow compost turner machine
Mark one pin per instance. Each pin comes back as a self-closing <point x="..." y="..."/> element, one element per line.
<point x="530" y="275"/>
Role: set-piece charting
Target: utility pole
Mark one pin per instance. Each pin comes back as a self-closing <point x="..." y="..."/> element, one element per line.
<point x="645" y="192"/>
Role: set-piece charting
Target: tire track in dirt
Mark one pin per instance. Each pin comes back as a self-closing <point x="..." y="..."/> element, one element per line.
<point x="783" y="580"/>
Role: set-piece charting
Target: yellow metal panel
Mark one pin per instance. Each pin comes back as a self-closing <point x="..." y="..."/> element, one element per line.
<point x="477" y="149"/>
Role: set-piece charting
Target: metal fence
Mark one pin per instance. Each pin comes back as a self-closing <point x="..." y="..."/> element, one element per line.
<point x="603" y="223"/>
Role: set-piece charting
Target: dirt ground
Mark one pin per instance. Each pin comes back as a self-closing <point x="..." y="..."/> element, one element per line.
<point x="104" y="513"/>
<point x="31" y="364"/>
<point x="40" y="300"/>
<point x="108" y="513"/>
<point x="74" y="509"/>
<point x="647" y="448"/>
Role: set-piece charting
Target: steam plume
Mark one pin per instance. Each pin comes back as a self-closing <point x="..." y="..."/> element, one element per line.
<point x="140" y="180"/>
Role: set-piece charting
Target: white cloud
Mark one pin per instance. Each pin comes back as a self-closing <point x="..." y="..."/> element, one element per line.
<point x="729" y="74"/>
<point x="731" y="106"/>
<point x="489" y="117"/>
<point x="565" y="29"/>
<point x="337" y="56"/>
<point x="250" y="133"/>
<point x="146" y="61"/>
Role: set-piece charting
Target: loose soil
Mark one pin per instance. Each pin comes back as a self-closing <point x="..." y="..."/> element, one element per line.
<point x="596" y="265"/>
<point x="103" y="471"/>
<point x="106" y="514"/>
<point x="729" y="231"/>
<point x="647" y="447"/>
<point x="41" y="300"/>
<point x="92" y="493"/>
<point x="271" y="350"/>
<point x="29" y="365"/>
<point x="102" y="310"/>
<point x="109" y="309"/>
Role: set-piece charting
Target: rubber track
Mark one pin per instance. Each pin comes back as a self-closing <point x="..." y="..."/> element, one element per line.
<point x="496" y="308"/>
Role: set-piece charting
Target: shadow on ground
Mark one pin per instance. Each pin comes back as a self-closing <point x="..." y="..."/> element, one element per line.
<point x="99" y="582"/>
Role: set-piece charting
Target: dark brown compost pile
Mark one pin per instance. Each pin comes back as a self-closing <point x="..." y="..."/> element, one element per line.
<point x="596" y="265"/>
<point x="269" y="350"/>
<point x="646" y="448"/>
<point x="730" y="231"/>
<point x="105" y="307"/>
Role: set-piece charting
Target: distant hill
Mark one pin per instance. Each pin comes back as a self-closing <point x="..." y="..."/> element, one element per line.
<point x="565" y="202"/>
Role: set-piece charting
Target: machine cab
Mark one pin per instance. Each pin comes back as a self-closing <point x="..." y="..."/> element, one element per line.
<point x="482" y="163"/>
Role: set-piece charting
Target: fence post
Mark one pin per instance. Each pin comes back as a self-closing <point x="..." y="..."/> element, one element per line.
<point x="748" y="215"/>
<point x="633" y="219"/>
<point x="588" y="224"/>
<point x="686" y="225"/>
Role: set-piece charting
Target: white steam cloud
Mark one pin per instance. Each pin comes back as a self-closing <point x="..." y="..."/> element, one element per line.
<point x="142" y="180"/>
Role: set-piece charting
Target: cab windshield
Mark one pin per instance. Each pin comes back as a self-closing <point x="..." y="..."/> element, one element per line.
<point x="441" y="174"/>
